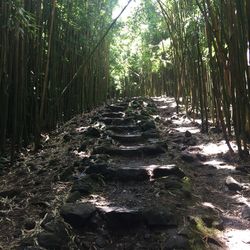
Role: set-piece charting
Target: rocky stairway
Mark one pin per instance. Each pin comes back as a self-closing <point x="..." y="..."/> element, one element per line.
<point x="120" y="192"/>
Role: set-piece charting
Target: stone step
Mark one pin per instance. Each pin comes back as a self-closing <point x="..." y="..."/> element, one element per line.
<point x="121" y="218"/>
<point x="168" y="170"/>
<point x="78" y="215"/>
<point x="116" y="121"/>
<point x="117" y="107"/>
<point x="119" y="174"/>
<point x="129" y="138"/>
<point x="123" y="129"/>
<point x="113" y="114"/>
<point x="131" y="151"/>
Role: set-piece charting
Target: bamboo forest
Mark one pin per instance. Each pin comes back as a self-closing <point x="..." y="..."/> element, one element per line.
<point x="125" y="124"/>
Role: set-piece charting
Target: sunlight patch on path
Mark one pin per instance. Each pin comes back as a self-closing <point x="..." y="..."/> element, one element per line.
<point x="193" y="130"/>
<point x="238" y="239"/>
<point x="216" y="148"/>
<point x="219" y="164"/>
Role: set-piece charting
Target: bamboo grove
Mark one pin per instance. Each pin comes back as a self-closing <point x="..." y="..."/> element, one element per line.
<point x="198" y="51"/>
<point x="210" y="55"/>
<point x="42" y="45"/>
<point x="194" y="50"/>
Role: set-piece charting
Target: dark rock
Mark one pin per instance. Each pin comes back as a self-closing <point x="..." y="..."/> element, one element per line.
<point x="97" y="169"/>
<point x="31" y="248"/>
<point x="157" y="119"/>
<point x="188" y="134"/>
<point x="73" y="197"/>
<point x="51" y="241"/>
<point x="98" y="158"/>
<point x="10" y="193"/>
<point x="132" y="138"/>
<point x="77" y="215"/>
<point x="26" y="242"/>
<point x="101" y="169"/>
<point x="47" y="218"/>
<point x="96" y="222"/>
<point x="177" y="242"/>
<point x="87" y="184"/>
<point x="117" y="108"/>
<point x="131" y="174"/>
<point x="243" y="168"/>
<point x="144" y="113"/>
<point x="66" y="174"/>
<point x="212" y="222"/>
<point x="218" y="224"/>
<point x="132" y="151"/>
<point x="162" y="144"/>
<point x="245" y="213"/>
<point x="101" y="241"/>
<point x="168" y="170"/>
<point x="83" y="185"/>
<point x="123" y="129"/>
<point x="57" y="227"/>
<point x="148" y="125"/>
<point x="216" y="130"/>
<point x="152" y="133"/>
<point x="187" y="157"/>
<point x="67" y="137"/>
<point x="122" y="218"/>
<point x="190" y="141"/>
<point x="177" y="138"/>
<point x="232" y="184"/>
<point x="113" y="115"/>
<point x="117" y="121"/>
<point x="173" y="183"/>
<point x="160" y="217"/>
<point x="155" y="149"/>
<point x="83" y="146"/>
<point x="29" y="224"/>
<point x="92" y="132"/>
<point x="54" y="162"/>
<point x="201" y="157"/>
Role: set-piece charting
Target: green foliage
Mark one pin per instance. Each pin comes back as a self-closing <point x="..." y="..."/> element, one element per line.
<point x="136" y="50"/>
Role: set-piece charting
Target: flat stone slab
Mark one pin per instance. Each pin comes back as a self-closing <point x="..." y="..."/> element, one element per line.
<point x="84" y="186"/>
<point x="123" y="129"/>
<point x="147" y="125"/>
<point x="150" y="134"/>
<point x="168" y="170"/>
<point x="232" y="184"/>
<point x="131" y="151"/>
<point x="130" y="174"/>
<point x="116" y="121"/>
<point x="120" y="174"/>
<point x="121" y="218"/>
<point x="245" y="213"/>
<point x="113" y="114"/>
<point x="117" y="108"/>
<point x="177" y="242"/>
<point x="102" y="169"/>
<point x="187" y="157"/>
<point x="78" y="214"/>
<point x="50" y="240"/>
<point x="129" y="138"/>
<point x="159" y="217"/>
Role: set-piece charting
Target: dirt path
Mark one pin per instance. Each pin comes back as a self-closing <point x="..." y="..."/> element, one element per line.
<point x="131" y="175"/>
<point x="209" y="172"/>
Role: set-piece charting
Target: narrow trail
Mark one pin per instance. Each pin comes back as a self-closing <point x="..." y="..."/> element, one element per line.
<point x="131" y="175"/>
